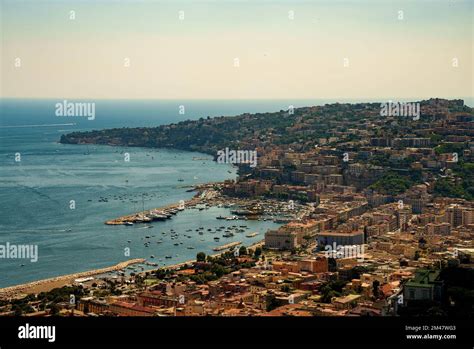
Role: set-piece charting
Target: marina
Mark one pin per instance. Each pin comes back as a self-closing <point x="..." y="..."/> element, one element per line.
<point x="157" y="214"/>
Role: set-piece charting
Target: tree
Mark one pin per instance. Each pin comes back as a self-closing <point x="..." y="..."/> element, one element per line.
<point x="417" y="255"/>
<point x="258" y="252"/>
<point x="201" y="257"/>
<point x="54" y="309"/>
<point x="17" y="310"/>
<point x="375" y="289"/>
<point x="242" y="251"/>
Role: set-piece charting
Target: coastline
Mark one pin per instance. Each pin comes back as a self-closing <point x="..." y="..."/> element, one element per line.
<point x="46" y="285"/>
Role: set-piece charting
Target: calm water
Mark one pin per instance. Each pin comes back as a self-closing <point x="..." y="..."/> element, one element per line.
<point x="36" y="192"/>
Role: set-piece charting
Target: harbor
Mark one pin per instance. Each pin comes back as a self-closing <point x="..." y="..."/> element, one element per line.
<point x="206" y="197"/>
<point x="157" y="214"/>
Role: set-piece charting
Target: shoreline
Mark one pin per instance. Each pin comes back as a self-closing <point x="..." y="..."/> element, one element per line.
<point x="45" y="285"/>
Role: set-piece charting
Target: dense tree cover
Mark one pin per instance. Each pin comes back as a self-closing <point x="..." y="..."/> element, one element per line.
<point x="331" y="289"/>
<point x="48" y="300"/>
<point x="392" y="184"/>
<point x="220" y="265"/>
<point x="450" y="148"/>
<point x="463" y="187"/>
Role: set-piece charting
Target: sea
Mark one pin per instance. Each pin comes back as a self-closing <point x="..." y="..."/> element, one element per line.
<point x="57" y="196"/>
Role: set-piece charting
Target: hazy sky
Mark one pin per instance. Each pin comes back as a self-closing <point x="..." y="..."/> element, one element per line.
<point x="280" y="55"/>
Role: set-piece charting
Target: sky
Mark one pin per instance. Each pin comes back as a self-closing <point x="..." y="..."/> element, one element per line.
<point x="237" y="49"/>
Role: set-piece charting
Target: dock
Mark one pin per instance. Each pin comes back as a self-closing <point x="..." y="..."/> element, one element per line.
<point x="227" y="246"/>
<point x="155" y="214"/>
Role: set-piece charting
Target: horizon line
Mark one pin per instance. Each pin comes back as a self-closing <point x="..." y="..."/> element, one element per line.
<point x="236" y="99"/>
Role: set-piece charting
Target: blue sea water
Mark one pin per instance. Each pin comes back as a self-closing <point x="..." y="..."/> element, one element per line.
<point x="36" y="192"/>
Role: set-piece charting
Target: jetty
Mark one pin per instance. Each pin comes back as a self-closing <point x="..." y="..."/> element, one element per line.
<point x="156" y="214"/>
<point x="227" y="246"/>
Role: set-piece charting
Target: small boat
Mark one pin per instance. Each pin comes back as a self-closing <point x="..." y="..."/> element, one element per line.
<point x="251" y="235"/>
<point x="168" y="257"/>
<point x="216" y="239"/>
<point x="158" y="216"/>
